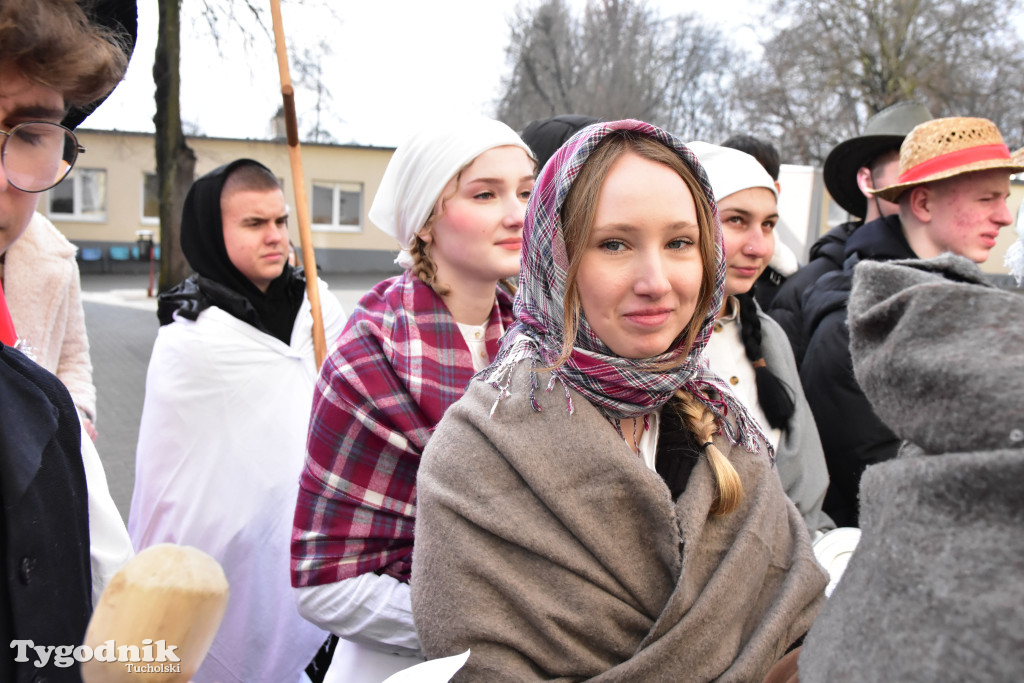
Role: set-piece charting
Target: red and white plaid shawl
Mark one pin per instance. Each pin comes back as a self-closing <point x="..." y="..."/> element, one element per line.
<point x="396" y="368"/>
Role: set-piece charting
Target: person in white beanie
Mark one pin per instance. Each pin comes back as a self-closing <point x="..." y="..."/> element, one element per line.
<point x="783" y="262"/>
<point x="749" y="348"/>
<point x="454" y="196"/>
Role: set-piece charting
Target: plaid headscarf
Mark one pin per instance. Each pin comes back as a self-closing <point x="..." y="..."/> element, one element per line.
<point x="619" y="387"/>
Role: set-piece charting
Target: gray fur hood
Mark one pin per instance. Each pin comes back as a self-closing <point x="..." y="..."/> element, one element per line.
<point x="934" y="590"/>
<point x="939" y="353"/>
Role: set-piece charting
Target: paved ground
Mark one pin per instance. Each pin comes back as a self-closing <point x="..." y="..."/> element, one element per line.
<point x="122" y="325"/>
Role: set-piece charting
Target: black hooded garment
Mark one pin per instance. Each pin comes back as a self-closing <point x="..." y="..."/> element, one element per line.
<point x="852" y="435"/>
<point x="217" y="282"/>
<point x="826" y="255"/>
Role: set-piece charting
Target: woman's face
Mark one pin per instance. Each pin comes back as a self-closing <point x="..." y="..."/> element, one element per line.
<point x="640" y="273"/>
<point x="748" y="225"/>
<point x="478" y="235"/>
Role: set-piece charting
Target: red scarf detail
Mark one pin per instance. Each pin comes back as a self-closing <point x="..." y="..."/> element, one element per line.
<point x="7" y="334"/>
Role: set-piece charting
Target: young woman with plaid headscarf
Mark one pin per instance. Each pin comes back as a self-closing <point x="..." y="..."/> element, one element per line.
<point x="599" y="505"/>
<point x="454" y="196"/>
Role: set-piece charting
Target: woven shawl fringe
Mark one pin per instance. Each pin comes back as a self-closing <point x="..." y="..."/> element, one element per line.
<point x="499" y="376"/>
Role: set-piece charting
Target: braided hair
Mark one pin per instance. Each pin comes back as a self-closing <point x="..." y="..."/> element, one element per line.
<point x="702" y="425"/>
<point x="774" y="395"/>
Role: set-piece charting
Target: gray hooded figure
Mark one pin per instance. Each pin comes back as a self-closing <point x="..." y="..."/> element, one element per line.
<point x="934" y="591"/>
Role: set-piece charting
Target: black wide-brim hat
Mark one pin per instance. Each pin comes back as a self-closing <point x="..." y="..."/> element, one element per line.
<point x="119" y="16"/>
<point x="884" y="131"/>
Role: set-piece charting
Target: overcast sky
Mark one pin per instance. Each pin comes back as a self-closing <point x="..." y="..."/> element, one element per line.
<point x="393" y="61"/>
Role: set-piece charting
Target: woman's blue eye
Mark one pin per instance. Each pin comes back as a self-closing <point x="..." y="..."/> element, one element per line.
<point x="525" y="194"/>
<point x="484" y="195"/>
<point x="612" y="245"/>
<point x="679" y="243"/>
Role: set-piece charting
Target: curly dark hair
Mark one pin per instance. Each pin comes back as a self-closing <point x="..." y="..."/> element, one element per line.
<point x="53" y="43"/>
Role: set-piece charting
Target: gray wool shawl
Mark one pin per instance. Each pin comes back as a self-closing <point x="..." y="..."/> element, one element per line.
<point x="935" y="590"/>
<point x="554" y="553"/>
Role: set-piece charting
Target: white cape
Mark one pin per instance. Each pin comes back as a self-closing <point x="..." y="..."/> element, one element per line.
<point x="221" y="447"/>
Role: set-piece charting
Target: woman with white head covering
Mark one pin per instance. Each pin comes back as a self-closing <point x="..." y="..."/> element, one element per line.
<point x="750" y="349"/>
<point x="454" y="196"/>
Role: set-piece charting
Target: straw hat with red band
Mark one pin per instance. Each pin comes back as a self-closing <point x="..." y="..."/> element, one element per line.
<point x="943" y="148"/>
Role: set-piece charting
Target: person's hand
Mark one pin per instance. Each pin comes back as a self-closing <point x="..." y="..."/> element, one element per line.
<point x="89" y="428"/>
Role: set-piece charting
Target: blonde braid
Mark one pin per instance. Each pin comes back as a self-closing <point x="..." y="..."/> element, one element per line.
<point x="701" y="422"/>
<point x="423" y="267"/>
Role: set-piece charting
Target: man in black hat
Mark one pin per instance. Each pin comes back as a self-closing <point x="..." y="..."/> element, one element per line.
<point x="853" y="168"/>
<point x="52" y="58"/>
<point x="952" y="187"/>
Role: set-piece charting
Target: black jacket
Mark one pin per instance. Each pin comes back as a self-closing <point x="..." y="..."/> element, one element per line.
<point x="46" y="579"/>
<point x="851" y="434"/>
<point x="827" y="255"/>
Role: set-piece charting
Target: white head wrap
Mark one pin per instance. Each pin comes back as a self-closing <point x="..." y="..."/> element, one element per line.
<point x="731" y="170"/>
<point x="422" y="166"/>
<point x="1014" y="258"/>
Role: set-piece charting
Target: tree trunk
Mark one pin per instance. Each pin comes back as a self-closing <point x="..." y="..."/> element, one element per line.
<point x="175" y="160"/>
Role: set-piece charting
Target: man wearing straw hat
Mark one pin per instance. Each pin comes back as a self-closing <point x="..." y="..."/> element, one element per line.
<point x="953" y="182"/>
<point x="60" y="534"/>
<point x="223" y="432"/>
<point x="853" y="168"/>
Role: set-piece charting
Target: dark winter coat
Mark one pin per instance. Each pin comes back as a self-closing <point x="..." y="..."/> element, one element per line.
<point x="934" y="590"/>
<point x="851" y="434"/>
<point x="46" y="578"/>
<point x="827" y="255"/>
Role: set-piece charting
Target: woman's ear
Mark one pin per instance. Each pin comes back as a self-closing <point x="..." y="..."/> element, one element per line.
<point x="425" y="234"/>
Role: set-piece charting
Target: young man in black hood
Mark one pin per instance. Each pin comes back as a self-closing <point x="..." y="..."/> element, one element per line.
<point x="234" y="234"/>
<point x="222" y="438"/>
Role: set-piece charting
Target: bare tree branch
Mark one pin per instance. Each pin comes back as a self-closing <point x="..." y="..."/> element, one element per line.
<point x="834" y="63"/>
<point x="619" y="60"/>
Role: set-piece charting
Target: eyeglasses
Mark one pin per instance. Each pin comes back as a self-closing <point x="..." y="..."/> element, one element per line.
<point x="36" y="155"/>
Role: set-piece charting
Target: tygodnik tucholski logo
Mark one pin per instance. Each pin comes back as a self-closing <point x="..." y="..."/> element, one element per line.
<point x="153" y="657"/>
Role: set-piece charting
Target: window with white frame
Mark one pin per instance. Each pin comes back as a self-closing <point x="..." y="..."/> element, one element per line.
<point x="337" y="206"/>
<point x="150" y="198"/>
<point x="81" y="197"/>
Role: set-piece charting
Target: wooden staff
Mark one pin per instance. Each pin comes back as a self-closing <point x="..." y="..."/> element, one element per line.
<point x="299" y="184"/>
